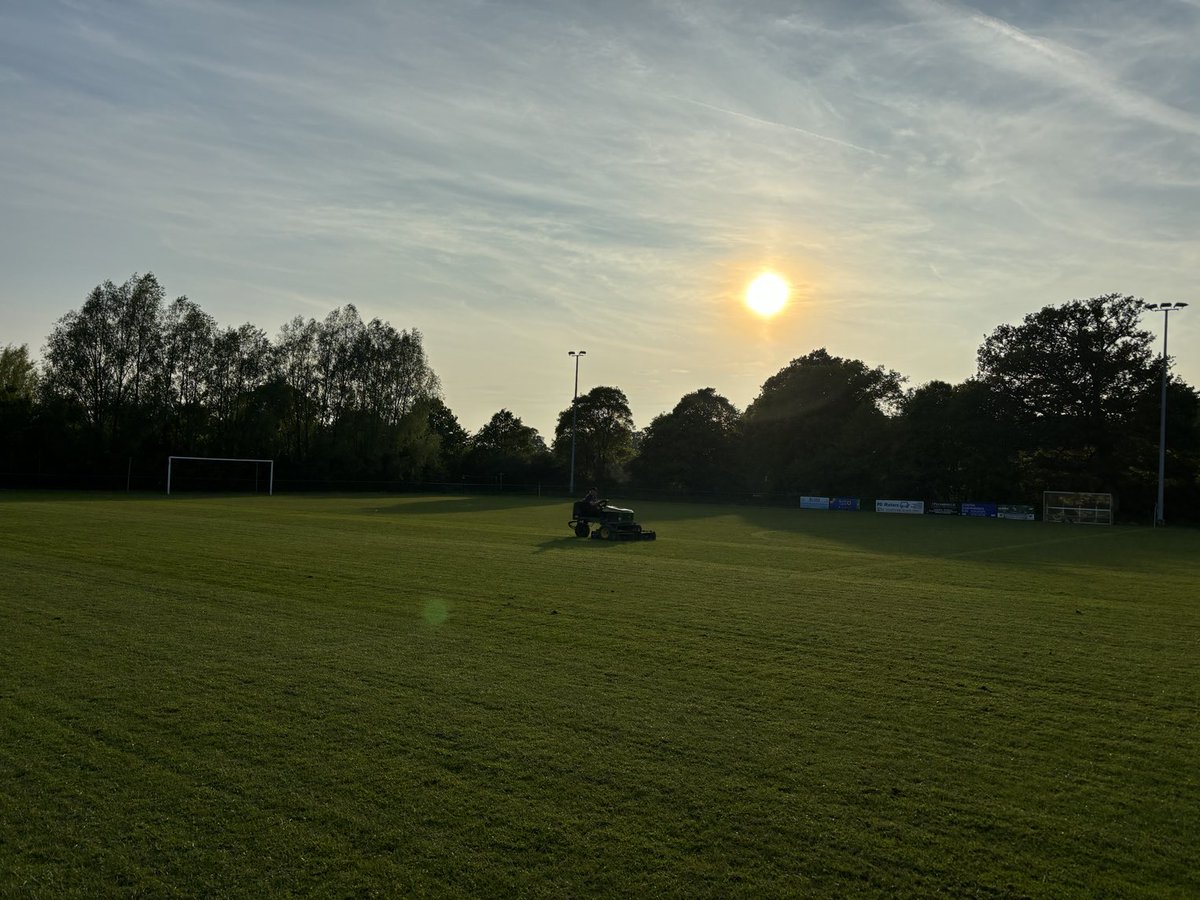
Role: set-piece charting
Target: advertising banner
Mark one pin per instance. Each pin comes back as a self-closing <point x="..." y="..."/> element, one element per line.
<point x="984" y="510"/>
<point x="912" y="507"/>
<point x="846" y="503"/>
<point x="1015" y="511"/>
<point x="814" y="503"/>
<point x="939" y="508"/>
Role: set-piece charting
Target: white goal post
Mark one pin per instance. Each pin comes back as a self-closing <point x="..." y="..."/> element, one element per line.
<point x="1077" y="507"/>
<point x="224" y="459"/>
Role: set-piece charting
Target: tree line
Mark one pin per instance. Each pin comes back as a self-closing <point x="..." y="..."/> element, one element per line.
<point x="1066" y="400"/>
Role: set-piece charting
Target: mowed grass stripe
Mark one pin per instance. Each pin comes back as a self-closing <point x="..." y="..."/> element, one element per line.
<point x="453" y="695"/>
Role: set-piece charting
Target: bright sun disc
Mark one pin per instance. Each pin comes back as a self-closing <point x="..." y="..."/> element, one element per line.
<point x="767" y="294"/>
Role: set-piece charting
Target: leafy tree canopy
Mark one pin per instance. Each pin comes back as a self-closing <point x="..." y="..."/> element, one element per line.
<point x="505" y="435"/>
<point x="1086" y="360"/>
<point x="819" y="425"/>
<point x="693" y="447"/>
<point x="819" y="384"/>
<point x="954" y="442"/>
<point x="107" y="357"/>
<point x="442" y="421"/>
<point x="603" y="434"/>
<point x="18" y="374"/>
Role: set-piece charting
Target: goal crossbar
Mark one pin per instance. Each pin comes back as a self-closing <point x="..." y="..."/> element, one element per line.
<point x="269" y="462"/>
<point x="1077" y="507"/>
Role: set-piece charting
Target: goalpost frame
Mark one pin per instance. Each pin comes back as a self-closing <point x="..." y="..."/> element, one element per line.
<point x="269" y="462"/>
<point x="1078" y="507"/>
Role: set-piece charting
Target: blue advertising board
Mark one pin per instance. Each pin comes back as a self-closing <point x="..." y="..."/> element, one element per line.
<point x="847" y="503"/>
<point x="983" y="510"/>
<point x="814" y="503"/>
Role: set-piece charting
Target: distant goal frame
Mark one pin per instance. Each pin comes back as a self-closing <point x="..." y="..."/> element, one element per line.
<point x="1078" y="507"/>
<point x="268" y="462"/>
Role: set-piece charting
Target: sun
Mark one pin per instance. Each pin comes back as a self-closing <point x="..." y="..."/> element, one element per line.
<point x="767" y="294"/>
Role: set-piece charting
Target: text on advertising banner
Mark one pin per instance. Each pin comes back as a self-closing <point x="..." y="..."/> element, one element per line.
<point x="914" y="507"/>
<point x="984" y="510"/>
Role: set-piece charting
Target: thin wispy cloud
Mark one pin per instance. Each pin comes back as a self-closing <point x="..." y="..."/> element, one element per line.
<point x="758" y="121"/>
<point x="1040" y="57"/>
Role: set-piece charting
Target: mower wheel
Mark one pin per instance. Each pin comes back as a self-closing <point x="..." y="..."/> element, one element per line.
<point x="605" y="534"/>
<point x="581" y="529"/>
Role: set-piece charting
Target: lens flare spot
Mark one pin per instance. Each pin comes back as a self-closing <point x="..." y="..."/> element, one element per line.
<point x="435" y="612"/>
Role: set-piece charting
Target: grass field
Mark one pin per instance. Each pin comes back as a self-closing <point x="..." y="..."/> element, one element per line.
<point x="417" y="695"/>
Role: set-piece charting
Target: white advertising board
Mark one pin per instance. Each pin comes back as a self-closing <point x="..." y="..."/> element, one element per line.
<point x="814" y="503"/>
<point x="912" y="507"/>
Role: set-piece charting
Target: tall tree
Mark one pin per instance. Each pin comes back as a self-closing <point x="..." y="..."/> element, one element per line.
<point x="394" y="375"/>
<point x="956" y="442"/>
<point x="189" y="334"/>
<point x="18" y="374"/>
<point x="18" y="394"/>
<point x="297" y="365"/>
<point x="189" y="337"/>
<point x="603" y="438"/>
<point x="453" y="440"/>
<point x="819" y="426"/>
<point x="692" y="448"/>
<point x="107" y="357"/>
<point x="507" y="445"/>
<point x="1082" y="364"/>
<point x="1075" y="372"/>
<point x="370" y="378"/>
<point x="242" y="365"/>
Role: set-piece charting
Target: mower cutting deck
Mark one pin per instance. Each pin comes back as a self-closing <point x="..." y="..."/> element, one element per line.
<point x="611" y="523"/>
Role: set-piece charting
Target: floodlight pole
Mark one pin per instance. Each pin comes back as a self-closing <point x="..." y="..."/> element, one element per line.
<point x="574" y="407"/>
<point x="1166" y="309"/>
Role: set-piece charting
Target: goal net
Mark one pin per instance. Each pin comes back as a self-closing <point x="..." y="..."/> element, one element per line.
<point x="1077" y="507"/>
<point x="219" y="473"/>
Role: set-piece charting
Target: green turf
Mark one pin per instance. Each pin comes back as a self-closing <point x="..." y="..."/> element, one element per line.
<point x="441" y="696"/>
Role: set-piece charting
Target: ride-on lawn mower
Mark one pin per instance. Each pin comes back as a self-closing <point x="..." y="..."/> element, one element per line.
<point x="614" y="523"/>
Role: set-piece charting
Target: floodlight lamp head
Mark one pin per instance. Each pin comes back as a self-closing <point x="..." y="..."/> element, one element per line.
<point x="1153" y="306"/>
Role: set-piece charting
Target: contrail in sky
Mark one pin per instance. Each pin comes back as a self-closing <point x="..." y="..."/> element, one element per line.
<point x="768" y="122"/>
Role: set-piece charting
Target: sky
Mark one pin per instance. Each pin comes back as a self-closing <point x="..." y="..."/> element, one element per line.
<point x="520" y="178"/>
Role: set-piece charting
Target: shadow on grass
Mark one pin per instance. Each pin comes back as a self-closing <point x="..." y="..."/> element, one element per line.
<point x="926" y="536"/>
<point x="589" y="545"/>
<point x="931" y="537"/>
<point x="48" y="495"/>
<point x="442" y="505"/>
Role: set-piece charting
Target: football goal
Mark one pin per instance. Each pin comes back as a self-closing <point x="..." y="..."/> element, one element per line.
<point x="1077" y="507"/>
<point x="219" y="473"/>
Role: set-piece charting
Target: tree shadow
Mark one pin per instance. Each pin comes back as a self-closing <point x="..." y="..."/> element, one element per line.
<point x="442" y="505"/>
<point x="930" y="537"/>
<point x="925" y="536"/>
<point x="576" y="544"/>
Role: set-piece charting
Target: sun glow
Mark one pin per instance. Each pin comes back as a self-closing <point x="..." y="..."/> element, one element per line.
<point x="767" y="294"/>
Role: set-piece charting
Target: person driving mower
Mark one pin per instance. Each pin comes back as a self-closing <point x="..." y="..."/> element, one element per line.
<point x="592" y="504"/>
